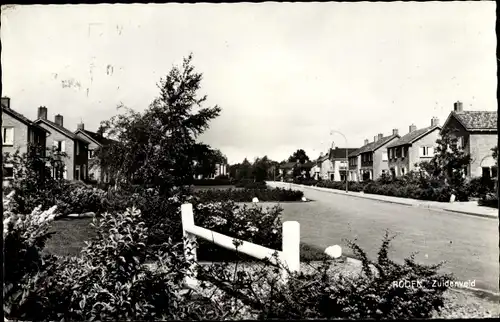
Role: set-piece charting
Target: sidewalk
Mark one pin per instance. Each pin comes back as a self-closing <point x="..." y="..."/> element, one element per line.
<point x="468" y="207"/>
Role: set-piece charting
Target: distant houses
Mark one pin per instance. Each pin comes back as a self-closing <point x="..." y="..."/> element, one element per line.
<point x="63" y="140"/>
<point x="371" y="161"/>
<point x="96" y="141"/>
<point x="412" y="148"/>
<point x="333" y="164"/>
<point x="477" y="134"/>
<point x="17" y="133"/>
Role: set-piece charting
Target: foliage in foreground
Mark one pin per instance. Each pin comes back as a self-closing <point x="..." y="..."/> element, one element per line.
<point x="112" y="281"/>
<point x="320" y="293"/>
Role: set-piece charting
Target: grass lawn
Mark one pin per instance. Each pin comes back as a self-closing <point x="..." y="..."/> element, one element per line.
<point x="69" y="236"/>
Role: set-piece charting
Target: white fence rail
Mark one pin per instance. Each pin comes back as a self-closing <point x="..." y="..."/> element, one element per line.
<point x="289" y="257"/>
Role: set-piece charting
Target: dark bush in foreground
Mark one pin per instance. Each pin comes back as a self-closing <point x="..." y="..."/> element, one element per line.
<point x="224" y="181"/>
<point x="383" y="290"/>
<point x="250" y="184"/>
<point x="489" y="200"/>
<point x="246" y="195"/>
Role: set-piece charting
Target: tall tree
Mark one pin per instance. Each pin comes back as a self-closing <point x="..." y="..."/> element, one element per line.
<point x="158" y="146"/>
<point x="299" y="155"/>
<point x="206" y="160"/>
<point x="449" y="163"/>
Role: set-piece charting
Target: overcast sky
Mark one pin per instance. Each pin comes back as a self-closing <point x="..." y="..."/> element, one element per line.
<point x="284" y="74"/>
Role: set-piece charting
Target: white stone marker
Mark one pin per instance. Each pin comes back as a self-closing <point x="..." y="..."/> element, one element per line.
<point x="255" y="200"/>
<point x="304" y="199"/>
<point x="334" y="251"/>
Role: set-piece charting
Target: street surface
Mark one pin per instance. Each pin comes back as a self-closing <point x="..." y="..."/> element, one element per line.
<point x="468" y="244"/>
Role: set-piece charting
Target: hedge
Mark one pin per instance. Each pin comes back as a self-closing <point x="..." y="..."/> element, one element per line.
<point x="246" y="195"/>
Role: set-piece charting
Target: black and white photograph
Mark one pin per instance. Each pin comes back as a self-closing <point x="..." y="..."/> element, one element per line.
<point x="250" y="161"/>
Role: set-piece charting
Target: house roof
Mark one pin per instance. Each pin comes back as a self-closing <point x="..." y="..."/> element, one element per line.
<point x="96" y="137"/>
<point x="22" y="118"/>
<point x="61" y="129"/>
<point x="339" y="153"/>
<point x="476" y="120"/>
<point x="373" y="146"/>
<point x="413" y="136"/>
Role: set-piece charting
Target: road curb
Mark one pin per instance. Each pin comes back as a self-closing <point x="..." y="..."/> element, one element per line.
<point x="336" y="191"/>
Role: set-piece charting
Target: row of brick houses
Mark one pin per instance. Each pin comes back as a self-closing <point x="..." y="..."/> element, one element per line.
<point x="79" y="146"/>
<point x="476" y="132"/>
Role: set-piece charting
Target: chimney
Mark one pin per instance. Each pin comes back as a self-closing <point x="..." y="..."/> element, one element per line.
<point x="366" y="141"/>
<point x="394" y="131"/>
<point x="412" y="128"/>
<point x="80" y="126"/>
<point x="434" y="121"/>
<point x="42" y="112"/>
<point x="6" y="102"/>
<point x="58" y="119"/>
<point x="380" y="136"/>
<point x="458" y="106"/>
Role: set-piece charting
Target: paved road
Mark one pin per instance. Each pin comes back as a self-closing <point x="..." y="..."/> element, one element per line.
<point x="468" y="244"/>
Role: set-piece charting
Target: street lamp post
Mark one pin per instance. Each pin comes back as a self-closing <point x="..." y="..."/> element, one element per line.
<point x="346" y="159"/>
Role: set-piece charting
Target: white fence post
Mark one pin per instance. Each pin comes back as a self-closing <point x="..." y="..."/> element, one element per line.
<point x="189" y="243"/>
<point x="291" y="247"/>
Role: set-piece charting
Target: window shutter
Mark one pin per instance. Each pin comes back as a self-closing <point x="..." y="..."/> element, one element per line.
<point x="65" y="173"/>
<point x="63" y="146"/>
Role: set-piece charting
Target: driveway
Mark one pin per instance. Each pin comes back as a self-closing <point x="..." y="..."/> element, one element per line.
<point x="468" y="244"/>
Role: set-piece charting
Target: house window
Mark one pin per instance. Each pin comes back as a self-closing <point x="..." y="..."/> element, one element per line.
<point x="91" y="154"/>
<point x="77" y="148"/>
<point x="426" y="151"/>
<point x="393" y="172"/>
<point x="384" y="156"/>
<point x="486" y="173"/>
<point x="403" y="151"/>
<point x="8" y="171"/>
<point x="60" y="146"/>
<point x="403" y="170"/>
<point x="77" y="173"/>
<point x="8" y="135"/>
<point x="84" y="172"/>
<point x="494" y="172"/>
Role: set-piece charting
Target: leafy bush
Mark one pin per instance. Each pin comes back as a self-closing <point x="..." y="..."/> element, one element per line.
<point x="112" y="280"/>
<point x="306" y="182"/>
<point x="377" y="292"/>
<point x="253" y="224"/>
<point x="213" y="182"/>
<point x="80" y="198"/>
<point x="250" y="184"/>
<point x="489" y="200"/>
<point x="24" y="238"/>
<point x="246" y="195"/>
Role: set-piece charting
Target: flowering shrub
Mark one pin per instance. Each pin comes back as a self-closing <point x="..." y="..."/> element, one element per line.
<point x="246" y="195"/>
<point x="253" y="224"/>
<point x="24" y="237"/>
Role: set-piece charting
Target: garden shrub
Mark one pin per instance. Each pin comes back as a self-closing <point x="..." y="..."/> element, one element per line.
<point x="489" y="200"/>
<point x="80" y="198"/>
<point x="246" y="195"/>
<point x="319" y="294"/>
<point x="223" y="181"/>
<point x="250" y="184"/>
<point x="112" y="281"/>
<point x="255" y="224"/>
